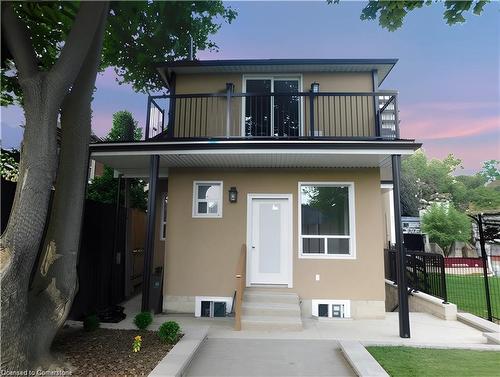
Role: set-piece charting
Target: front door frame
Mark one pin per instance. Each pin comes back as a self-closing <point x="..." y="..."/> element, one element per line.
<point x="290" y="254"/>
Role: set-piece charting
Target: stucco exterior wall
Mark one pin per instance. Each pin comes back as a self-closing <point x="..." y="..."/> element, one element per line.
<point x="335" y="116"/>
<point x="202" y="253"/>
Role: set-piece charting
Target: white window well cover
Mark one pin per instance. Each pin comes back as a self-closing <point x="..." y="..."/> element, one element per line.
<point x="199" y="299"/>
<point x="326" y="225"/>
<point x="207" y="199"/>
<point x="331" y="308"/>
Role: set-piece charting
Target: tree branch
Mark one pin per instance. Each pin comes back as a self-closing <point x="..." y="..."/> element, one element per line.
<point x="79" y="41"/>
<point x="18" y="40"/>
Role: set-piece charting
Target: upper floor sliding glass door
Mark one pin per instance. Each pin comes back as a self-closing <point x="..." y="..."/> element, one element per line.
<point x="277" y="114"/>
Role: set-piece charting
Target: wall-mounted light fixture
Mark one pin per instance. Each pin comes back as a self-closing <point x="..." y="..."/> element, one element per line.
<point x="315" y="87"/>
<point x="233" y="195"/>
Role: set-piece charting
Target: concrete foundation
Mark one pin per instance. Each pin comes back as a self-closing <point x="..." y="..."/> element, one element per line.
<point x="420" y="302"/>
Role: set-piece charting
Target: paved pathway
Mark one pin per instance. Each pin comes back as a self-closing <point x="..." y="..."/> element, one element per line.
<point x="269" y="357"/>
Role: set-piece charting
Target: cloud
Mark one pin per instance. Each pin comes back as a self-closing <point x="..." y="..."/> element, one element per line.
<point x="445" y="127"/>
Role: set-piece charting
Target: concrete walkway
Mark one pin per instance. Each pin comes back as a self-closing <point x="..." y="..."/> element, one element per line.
<point x="268" y="357"/>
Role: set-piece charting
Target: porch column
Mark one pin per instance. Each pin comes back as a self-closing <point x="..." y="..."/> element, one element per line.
<point x="147" y="305"/>
<point x="404" y="317"/>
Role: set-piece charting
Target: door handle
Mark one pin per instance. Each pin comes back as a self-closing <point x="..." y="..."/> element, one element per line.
<point x="253" y="247"/>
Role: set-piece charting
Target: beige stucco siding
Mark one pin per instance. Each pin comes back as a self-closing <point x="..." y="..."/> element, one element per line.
<point x="201" y="254"/>
<point x="335" y="116"/>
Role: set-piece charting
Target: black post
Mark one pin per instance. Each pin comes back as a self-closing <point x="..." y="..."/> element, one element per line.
<point x="485" y="266"/>
<point x="171" y="113"/>
<point x="148" y="118"/>
<point x="311" y="112"/>
<point x="396" y="118"/>
<point x="229" y="91"/>
<point x="376" y="106"/>
<point x="404" y="316"/>
<point x="147" y="305"/>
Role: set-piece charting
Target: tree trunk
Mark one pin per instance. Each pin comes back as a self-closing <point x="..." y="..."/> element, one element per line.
<point x="22" y="237"/>
<point x="55" y="283"/>
<point x="43" y="93"/>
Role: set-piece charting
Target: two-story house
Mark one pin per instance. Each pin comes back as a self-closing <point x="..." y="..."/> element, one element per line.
<point x="293" y="160"/>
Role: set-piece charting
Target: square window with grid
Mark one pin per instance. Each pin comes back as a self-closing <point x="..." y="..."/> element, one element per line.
<point x="207" y="199"/>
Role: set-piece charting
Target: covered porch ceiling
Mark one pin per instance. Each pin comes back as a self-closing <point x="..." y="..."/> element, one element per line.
<point x="133" y="159"/>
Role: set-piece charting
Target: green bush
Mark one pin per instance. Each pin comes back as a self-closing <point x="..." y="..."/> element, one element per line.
<point x="169" y="332"/>
<point x="445" y="225"/>
<point x="143" y="320"/>
<point x="91" y="323"/>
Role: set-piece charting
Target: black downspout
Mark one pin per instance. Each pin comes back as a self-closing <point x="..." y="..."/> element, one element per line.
<point x="150" y="233"/>
<point x="404" y="316"/>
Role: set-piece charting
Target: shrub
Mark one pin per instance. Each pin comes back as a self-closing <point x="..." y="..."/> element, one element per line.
<point x="169" y="332"/>
<point x="143" y="320"/>
<point x="91" y="323"/>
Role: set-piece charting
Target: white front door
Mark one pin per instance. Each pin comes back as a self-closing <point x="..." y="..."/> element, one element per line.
<point x="269" y="240"/>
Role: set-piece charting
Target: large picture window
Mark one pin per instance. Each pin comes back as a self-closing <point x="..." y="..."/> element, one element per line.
<point x="326" y="220"/>
<point x="207" y="199"/>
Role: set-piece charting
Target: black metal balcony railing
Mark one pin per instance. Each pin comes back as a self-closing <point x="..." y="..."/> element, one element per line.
<point x="369" y="115"/>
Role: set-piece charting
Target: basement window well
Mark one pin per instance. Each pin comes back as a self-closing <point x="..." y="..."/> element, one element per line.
<point x="331" y="308"/>
<point x="212" y="306"/>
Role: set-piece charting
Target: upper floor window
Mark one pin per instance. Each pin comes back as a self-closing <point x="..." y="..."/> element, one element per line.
<point x="327" y="220"/>
<point x="207" y="199"/>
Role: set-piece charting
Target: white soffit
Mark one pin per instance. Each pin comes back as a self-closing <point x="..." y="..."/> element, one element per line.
<point x="137" y="164"/>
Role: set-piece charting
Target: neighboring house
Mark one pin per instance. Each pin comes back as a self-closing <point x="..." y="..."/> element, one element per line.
<point x="292" y="158"/>
<point x="96" y="169"/>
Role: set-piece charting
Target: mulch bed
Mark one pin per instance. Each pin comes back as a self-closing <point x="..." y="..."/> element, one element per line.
<point x="106" y="352"/>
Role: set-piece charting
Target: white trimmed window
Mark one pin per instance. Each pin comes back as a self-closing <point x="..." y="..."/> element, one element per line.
<point x="326" y="220"/>
<point x="207" y="199"/>
<point x="163" y="222"/>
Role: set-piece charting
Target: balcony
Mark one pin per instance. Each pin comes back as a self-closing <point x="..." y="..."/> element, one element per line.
<point x="288" y="116"/>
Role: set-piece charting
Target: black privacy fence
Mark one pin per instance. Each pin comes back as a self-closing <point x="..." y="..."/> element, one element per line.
<point x="473" y="284"/>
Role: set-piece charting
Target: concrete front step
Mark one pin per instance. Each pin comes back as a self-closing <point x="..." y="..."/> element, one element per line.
<point x="270" y="309"/>
<point x="270" y="297"/>
<point x="271" y="323"/>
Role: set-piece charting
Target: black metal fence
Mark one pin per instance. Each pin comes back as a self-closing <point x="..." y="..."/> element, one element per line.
<point x="425" y="272"/>
<point x="277" y="115"/>
<point x="471" y="289"/>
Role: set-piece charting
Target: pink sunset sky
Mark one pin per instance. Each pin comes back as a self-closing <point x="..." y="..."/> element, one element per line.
<point x="447" y="77"/>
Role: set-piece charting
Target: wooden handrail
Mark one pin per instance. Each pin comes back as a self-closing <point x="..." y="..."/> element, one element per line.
<point x="240" y="286"/>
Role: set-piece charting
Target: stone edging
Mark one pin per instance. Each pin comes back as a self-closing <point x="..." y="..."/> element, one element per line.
<point x="363" y="363"/>
<point x="180" y="356"/>
<point x="464" y="346"/>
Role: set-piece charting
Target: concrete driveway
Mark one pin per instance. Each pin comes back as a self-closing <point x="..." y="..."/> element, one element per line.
<point x="269" y="357"/>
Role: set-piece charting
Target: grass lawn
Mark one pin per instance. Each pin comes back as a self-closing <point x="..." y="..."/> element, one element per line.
<point x="415" y="362"/>
<point x="467" y="292"/>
